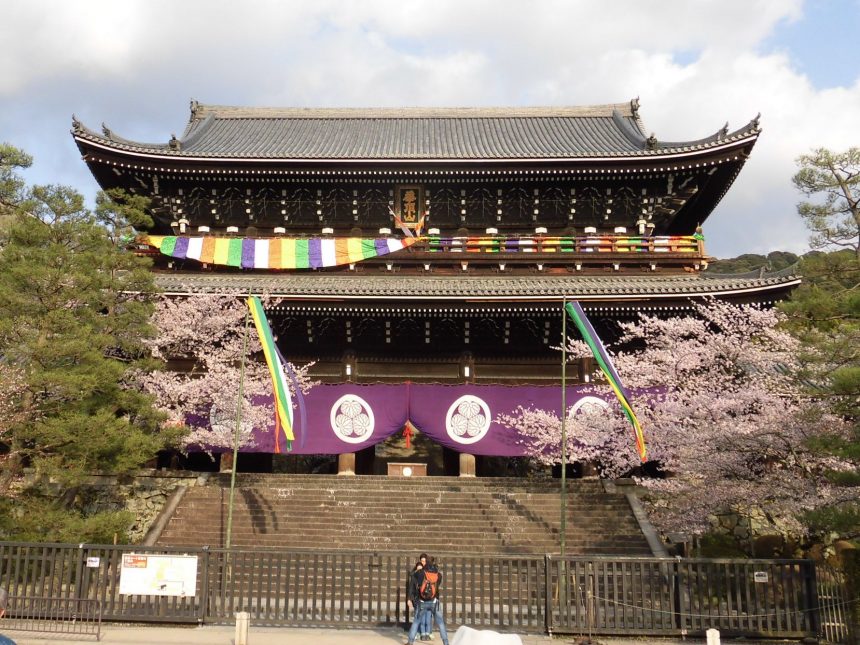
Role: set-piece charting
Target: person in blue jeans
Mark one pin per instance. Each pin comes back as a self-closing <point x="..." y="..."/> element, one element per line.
<point x="428" y="581"/>
<point x="425" y="627"/>
<point x="4" y="601"/>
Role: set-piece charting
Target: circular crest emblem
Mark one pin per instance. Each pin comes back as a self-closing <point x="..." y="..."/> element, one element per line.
<point x="352" y="419"/>
<point x="468" y="419"/>
<point x="588" y="404"/>
<point x="223" y="422"/>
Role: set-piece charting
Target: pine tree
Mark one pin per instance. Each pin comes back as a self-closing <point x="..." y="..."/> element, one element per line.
<point x="74" y="314"/>
<point x="825" y="314"/>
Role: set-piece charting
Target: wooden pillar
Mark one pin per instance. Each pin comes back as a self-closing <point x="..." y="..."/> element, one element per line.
<point x="467" y="465"/>
<point x="226" y="463"/>
<point x="346" y="464"/>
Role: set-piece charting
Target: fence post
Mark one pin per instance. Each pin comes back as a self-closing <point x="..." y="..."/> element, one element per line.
<point x="679" y="601"/>
<point x="547" y="577"/>
<point x="589" y="596"/>
<point x="812" y="606"/>
<point x="243" y="619"/>
<point x="203" y="612"/>
<point x="79" y="570"/>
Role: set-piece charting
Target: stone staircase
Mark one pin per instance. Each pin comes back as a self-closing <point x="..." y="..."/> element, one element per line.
<point x="384" y="514"/>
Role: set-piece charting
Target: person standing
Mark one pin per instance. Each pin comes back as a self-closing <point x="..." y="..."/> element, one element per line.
<point x="425" y="625"/>
<point x="4" y="601"/>
<point x="429" y="580"/>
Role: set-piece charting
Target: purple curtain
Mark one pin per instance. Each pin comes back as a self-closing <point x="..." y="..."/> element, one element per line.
<point x="349" y="417"/>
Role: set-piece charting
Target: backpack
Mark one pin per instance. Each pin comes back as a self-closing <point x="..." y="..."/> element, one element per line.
<point x="427" y="591"/>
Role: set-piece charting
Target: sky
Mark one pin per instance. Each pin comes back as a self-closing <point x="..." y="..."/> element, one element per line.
<point x="694" y="64"/>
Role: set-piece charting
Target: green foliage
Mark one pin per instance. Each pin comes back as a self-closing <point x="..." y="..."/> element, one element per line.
<point x="719" y="545"/>
<point x="11" y="184"/>
<point x="841" y="519"/>
<point x="74" y="312"/>
<point x="775" y="261"/>
<point x="833" y="180"/>
<point x="824" y="312"/>
<point x="32" y="518"/>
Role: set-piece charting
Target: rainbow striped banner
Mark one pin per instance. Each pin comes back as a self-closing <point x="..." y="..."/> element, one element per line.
<point x="275" y="253"/>
<point x="280" y="387"/>
<point x="591" y="338"/>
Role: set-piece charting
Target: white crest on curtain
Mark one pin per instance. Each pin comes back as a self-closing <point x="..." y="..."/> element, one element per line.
<point x="352" y="419"/>
<point x="468" y="419"/>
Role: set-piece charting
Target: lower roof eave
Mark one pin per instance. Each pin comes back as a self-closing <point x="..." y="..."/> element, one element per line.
<point x="572" y="295"/>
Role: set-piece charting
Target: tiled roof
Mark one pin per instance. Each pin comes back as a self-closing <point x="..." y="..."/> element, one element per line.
<point x="451" y="288"/>
<point x="442" y="134"/>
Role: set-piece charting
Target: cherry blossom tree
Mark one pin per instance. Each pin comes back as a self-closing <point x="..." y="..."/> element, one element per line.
<point x="726" y="423"/>
<point x="201" y="340"/>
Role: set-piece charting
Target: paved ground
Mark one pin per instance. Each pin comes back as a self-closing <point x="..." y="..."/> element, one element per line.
<point x="224" y="635"/>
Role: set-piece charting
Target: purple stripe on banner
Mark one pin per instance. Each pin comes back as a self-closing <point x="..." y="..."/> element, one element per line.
<point x="300" y="400"/>
<point x="181" y="248"/>
<point x="511" y="244"/>
<point x="247" y="254"/>
<point x="315" y="253"/>
<point x="381" y="246"/>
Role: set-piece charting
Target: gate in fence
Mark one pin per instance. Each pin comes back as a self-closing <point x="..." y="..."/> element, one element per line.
<point x="581" y="595"/>
<point x="835" y="605"/>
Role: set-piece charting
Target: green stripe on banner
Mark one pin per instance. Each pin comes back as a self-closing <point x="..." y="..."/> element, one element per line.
<point x="302" y="261"/>
<point x="282" y="394"/>
<point x="234" y="253"/>
<point x="168" y="244"/>
<point x="368" y="249"/>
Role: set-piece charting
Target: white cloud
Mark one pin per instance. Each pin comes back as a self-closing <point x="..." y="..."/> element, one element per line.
<point x="135" y="64"/>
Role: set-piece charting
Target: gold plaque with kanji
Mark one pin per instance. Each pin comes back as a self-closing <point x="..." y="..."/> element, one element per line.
<point x="408" y="205"/>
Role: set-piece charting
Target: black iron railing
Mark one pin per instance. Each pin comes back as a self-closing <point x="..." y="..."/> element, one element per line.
<point x="54" y="615"/>
<point x="601" y="595"/>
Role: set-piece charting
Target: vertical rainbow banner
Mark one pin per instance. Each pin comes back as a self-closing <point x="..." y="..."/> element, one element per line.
<point x="280" y="387"/>
<point x="574" y="310"/>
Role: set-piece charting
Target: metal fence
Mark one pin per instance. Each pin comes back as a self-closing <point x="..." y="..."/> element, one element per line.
<point x="835" y="605"/>
<point x="581" y="595"/>
<point x="67" y="616"/>
<point x="767" y="598"/>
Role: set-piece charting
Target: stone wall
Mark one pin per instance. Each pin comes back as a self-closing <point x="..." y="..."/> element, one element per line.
<point x="142" y="494"/>
<point x="757" y="534"/>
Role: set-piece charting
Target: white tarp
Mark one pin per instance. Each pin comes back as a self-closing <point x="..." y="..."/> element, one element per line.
<point x="468" y="636"/>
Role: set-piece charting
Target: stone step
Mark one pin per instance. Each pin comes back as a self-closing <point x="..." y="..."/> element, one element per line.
<point x="377" y="513"/>
<point x="381" y="502"/>
<point x="387" y="496"/>
<point x="401" y="483"/>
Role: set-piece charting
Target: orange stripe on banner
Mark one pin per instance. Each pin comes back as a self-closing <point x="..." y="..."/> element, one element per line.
<point x="341" y="250"/>
<point x="207" y="252"/>
<point x="275" y="254"/>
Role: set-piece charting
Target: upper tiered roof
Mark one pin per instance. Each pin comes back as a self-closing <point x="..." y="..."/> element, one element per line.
<point x="613" y="131"/>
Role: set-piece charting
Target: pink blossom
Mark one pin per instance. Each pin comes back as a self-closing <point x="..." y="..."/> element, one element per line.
<point x="729" y="427"/>
<point x="200" y="338"/>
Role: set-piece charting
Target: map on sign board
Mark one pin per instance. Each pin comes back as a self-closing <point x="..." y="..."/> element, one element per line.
<point x="158" y="575"/>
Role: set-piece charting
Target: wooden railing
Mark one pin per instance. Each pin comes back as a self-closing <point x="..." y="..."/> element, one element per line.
<point x="614" y="243"/>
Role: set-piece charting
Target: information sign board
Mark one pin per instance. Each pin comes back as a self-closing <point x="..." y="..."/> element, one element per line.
<point x="150" y="574"/>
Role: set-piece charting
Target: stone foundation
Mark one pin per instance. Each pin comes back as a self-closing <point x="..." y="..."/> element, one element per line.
<point x="142" y="494"/>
